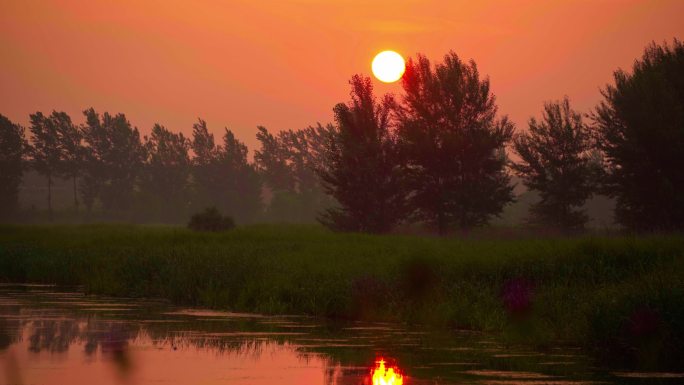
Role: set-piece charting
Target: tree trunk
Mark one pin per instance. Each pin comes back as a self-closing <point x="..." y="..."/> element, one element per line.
<point x="75" y="194"/>
<point x="441" y="224"/>
<point x="49" y="197"/>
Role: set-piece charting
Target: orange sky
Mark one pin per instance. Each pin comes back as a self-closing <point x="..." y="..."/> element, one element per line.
<point x="285" y="63"/>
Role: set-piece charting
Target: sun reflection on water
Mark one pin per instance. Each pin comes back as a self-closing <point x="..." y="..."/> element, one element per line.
<point x="383" y="375"/>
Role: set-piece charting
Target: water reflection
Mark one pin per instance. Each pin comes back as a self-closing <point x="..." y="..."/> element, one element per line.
<point x="51" y="337"/>
<point x="385" y="373"/>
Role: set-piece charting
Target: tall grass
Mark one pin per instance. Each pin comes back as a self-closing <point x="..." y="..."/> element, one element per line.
<point x="622" y="296"/>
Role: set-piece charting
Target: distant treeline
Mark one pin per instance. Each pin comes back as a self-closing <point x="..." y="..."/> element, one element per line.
<point x="437" y="155"/>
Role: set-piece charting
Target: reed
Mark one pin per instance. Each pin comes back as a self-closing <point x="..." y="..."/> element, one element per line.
<point x="620" y="296"/>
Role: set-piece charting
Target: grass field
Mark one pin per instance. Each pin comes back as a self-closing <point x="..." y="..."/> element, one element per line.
<point x="622" y="297"/>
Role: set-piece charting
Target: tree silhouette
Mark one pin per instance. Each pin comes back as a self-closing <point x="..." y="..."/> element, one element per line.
<point x="640" y="131"/>
<point x="453" y="144"/>
<point x="272" y="162"/>
<point x="364" y="174"/>
<point x="167" y="173"/>
<point x="204" y="166"/>
<point x="223" y="176"/>
<point x="71" y="148"/>
<point x="306" y="151"/>
<point x="556" y="161"/>
<point x="45" y="149"/>
<point x="240" y="182"/>
<point x="13" y="146"/>
<point x="287" y="163"/>
<point x="320" y="139"/>
<point x="115" y="155"/>
<point x="296" y="148"/>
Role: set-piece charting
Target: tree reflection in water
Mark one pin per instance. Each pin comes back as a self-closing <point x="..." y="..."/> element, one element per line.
<point x="157" y="341"/>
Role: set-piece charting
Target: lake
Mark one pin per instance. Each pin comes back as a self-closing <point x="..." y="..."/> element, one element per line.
<point x="51" y="335"/>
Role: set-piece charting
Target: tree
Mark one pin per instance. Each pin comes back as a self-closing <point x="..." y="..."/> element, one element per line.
<point x="45" y="150"/>
<point x="453" y="144"/>
<point x="204" y="172"/>
<point x="240" y="183"/>
<point x="272" y="162"/>
<point x="222" y="175"/>
<point x="640" y="131"/>
<point x="89" y="188"/>
<point x="556" y="161"/>
<point x="167" y="172"/>
<point x="296" y="148"/>
<point x="364" y="173"/>
<point x="287" y="162"/>
<point x="115" y="155"/>
<point x="306" y="151"/>
<point x="320" y="139"/>
<point x="12" y="149"/>
<point x="69" y="141"/>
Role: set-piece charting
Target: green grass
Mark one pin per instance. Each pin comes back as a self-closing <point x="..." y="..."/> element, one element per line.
<point x="621" y="296"/>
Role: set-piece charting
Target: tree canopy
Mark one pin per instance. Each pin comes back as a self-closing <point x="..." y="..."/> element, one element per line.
<point x="640" y="131"/>
<point x="453" y="143"/>
<point x="364" y="172"/>
<point x="556" y="161"/>
<point x="13" y="146"/>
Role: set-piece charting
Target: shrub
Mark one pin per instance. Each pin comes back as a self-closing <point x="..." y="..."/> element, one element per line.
<point x="210" y="220"/>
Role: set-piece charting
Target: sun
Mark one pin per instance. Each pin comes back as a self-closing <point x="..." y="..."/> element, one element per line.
<point x="388" y="66"/>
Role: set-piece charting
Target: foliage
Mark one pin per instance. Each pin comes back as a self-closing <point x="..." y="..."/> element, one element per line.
<point x="13" y="146"/>
<point x="240" y="181"/>
<point x="210" y="220"/>
<point x="167" y="173"/>
<point x="453" y="144"/>
<point x="556" y="161"/>
<point x="114" y="155"/>
<point x="640" y="131"/>
<point x="438" y="158"/>
<point x="222" y="175"/>
<point x="46" y="153"/>
<point x="271" y="162"/>
<point x="72" y="153"/>
<point x="288" y="162"/>
<point x="364" y="173"/>
<point x="204" y="165"/>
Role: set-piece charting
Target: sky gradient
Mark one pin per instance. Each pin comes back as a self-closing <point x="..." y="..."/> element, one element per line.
<point x="284" y="64"/>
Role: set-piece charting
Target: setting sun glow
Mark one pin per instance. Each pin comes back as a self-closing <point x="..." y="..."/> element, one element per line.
<point x="388" y="66"/>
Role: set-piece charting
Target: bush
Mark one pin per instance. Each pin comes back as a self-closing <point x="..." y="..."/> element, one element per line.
<point x="210" y="220"/>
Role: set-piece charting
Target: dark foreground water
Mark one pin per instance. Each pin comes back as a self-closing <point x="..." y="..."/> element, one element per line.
<point x="51" y="336"/>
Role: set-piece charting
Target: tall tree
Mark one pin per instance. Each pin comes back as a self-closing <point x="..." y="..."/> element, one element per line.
<point x="453" y="144"/>
<point x="287" y="165"/>
<point x="305" y="150"/>
<point x="223" y="176"/>
<point x="116" y="156"/>
<point x="204" y="174"/>
<point x="240" y="188"/>
<point x="556" y="161"/>
<point x="295" y="145"/>
<point x="167" y="172"/>
<point x="272" y="162"/>
<point x="69" y="138"/>
<point x="320" y="139"/>
<point x="364" y="174"/>
<point x="640" y="131"/>
<point x="12" y="149"/>
<point x="45" y="150"/>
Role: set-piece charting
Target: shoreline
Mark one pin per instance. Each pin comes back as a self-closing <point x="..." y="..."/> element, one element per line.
<point x="605" y="294"/>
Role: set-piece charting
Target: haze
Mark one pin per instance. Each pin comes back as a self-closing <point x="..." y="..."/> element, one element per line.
<point x="284" y="64"/>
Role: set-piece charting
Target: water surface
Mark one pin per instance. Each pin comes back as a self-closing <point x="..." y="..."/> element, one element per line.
<point x="52" y="336"/>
